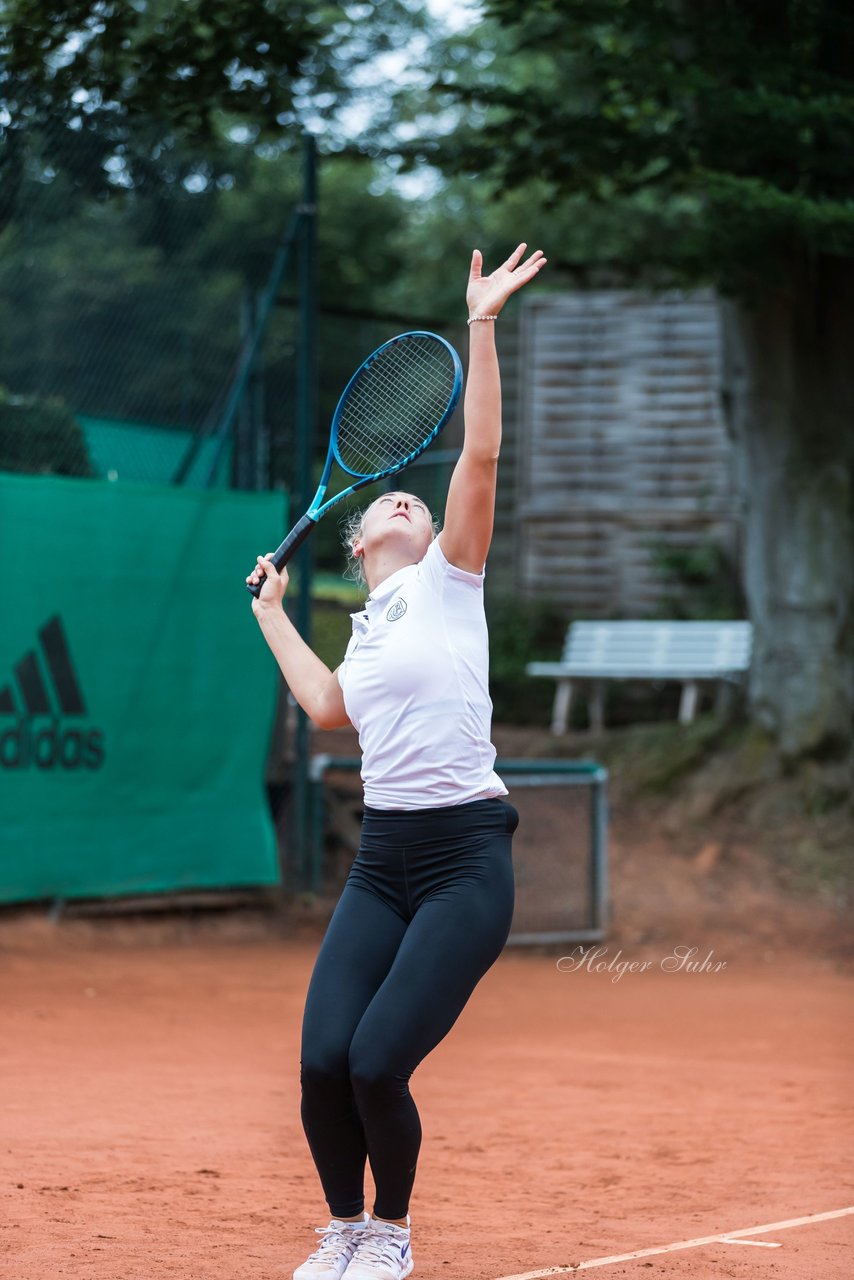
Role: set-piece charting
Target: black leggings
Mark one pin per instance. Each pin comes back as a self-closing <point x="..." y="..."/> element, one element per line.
<point x="425" y="912"/>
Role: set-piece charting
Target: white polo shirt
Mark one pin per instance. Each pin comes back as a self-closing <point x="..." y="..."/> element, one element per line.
<point x="415" y="679"/>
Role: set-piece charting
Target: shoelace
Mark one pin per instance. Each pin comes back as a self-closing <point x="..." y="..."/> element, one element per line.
<point x="378" y="1248"/>
<point x="332" y="1236"/>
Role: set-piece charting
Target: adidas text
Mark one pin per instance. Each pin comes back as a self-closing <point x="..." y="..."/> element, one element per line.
<point x="52" y="746"/>
<point x="42" y="695"/>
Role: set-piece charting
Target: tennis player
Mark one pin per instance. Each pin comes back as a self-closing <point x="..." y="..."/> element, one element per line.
<point x="428" y="902"/>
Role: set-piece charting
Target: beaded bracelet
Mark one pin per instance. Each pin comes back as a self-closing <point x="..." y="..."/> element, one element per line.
<point x="472" y="319"/>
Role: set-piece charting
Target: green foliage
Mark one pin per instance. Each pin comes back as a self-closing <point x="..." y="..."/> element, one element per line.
<point x="133" y="310"/>
<point x="521" y="631"/>
<point x="813" y="865"/>
<point x="39" y="435"/>
<point x="728" y="129"/>
<point x="135" y="94"/>
<point x="701" y="582"/>
<point x="96" y="316"/>
<point x="331" y="629"/>
<point x="656" y="759"/>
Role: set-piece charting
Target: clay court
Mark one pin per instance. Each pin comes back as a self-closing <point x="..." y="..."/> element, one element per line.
<point x="151" y="1099"/>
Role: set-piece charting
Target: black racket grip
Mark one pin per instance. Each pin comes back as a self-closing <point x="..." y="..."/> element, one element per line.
<point x="282" y="555"/>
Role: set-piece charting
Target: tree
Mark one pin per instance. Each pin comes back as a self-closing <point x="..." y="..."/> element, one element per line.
<point x="126" y="93"/>
<point x="728" y="128"/>
<point x="149" y="161"/>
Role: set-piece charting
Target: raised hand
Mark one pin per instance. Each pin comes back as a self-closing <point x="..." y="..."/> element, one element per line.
<point x="486" y="295"/>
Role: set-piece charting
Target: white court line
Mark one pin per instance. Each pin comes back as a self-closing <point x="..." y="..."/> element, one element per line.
<point x="757" y="1244"/>
<point x="726" y="1237"/>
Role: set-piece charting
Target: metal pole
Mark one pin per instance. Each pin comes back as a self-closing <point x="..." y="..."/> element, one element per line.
<point x="306" y="395"/>
<point x="599" y="861"/>
<point x="241" y="461"/>
<point x="245" y="359"/>
<point x="259" y="475"/>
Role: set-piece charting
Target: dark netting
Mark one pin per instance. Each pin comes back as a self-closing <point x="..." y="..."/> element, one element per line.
<point x="123" y="308"/>
<point x="126" y="309"/>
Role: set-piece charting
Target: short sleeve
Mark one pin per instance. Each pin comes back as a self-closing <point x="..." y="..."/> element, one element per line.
<point x="436" y="570"/>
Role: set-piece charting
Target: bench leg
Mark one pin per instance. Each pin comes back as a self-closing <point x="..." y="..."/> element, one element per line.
<point x="597" y="706"/>
<point x="688" y="701"/>
<point x="724" y="698"/>
<point x="560" y="710"/>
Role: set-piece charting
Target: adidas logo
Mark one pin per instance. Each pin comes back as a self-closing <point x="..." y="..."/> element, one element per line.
<point x="45" y="687"/>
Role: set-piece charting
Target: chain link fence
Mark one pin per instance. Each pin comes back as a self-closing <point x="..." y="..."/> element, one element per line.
<point x="124" y="310"/>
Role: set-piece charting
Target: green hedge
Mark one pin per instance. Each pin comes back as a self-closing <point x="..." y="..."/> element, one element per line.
<point x="39" y="436"/>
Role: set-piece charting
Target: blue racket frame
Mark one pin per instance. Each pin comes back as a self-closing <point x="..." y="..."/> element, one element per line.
<point x="317" y="507"/>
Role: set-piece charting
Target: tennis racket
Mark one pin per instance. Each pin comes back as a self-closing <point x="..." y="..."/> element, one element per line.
<point x="392" y="408"/>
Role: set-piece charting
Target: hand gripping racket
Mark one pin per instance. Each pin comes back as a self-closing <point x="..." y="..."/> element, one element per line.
<point x="392" y="408"/>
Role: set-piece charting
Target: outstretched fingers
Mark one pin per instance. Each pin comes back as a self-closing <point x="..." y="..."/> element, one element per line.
<point x="531" y="265"/>
<point x="527" y="270"/>
<point x="476" y="265"/>
<point x="536" y="256"/>
<point x="514" y="258"/>
<point x="523" y="271"/>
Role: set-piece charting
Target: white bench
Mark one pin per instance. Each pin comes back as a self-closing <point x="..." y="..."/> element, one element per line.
<point x="685" y="651"/>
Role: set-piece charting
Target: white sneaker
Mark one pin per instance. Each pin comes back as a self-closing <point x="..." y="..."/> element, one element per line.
<point x="383" y="1252"/>
<point x="330" y="1260"/>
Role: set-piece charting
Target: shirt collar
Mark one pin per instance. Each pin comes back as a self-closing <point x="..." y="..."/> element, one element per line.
<point x="380" y="595"/>
<point x="389" y="585"/>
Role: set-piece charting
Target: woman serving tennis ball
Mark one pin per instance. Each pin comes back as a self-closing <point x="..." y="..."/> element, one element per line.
<point x="428" y="902"/>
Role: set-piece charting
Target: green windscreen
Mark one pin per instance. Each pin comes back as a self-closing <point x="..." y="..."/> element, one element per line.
<point x="136" y="692"/>
<point x="122" y="450"/>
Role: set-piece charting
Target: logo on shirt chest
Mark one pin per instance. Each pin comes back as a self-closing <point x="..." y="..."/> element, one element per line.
<point x="397" y="610"/>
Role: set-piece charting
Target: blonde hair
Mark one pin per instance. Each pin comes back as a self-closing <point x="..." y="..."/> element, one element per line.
<point x="351" y="529"/>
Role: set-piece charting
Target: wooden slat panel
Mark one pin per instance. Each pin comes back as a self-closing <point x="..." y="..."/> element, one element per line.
<point x="622" y="444"/>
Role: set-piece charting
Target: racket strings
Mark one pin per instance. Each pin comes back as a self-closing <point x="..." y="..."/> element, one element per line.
<point x="393" y="410"/>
